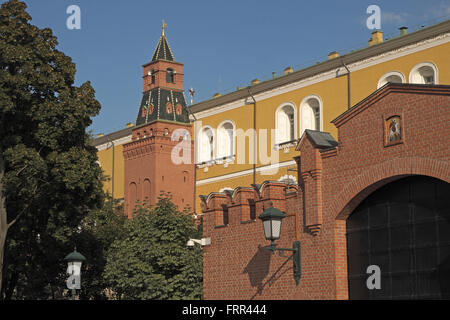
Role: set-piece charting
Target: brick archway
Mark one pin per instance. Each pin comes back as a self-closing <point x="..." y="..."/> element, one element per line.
<point x="362" y="186"/>
<point x="378" y="175"/>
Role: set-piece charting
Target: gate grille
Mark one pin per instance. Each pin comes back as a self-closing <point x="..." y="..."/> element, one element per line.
<point x="404" y="228"/>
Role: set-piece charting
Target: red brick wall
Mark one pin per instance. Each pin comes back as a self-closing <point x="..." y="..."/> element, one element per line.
<point x="235" y="265"/>
<point x="150" y="158"/>
<point x="159" y="68"/>
<point x="331" y="184"/>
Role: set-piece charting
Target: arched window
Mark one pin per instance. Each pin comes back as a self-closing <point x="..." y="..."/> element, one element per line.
<point x="285" y="123"/>
<point x="146" y="189"/>
<point x="170" y="75"/>
<point x="133" y="198"/>
<point x="225" y="140"/>
<point x="206" y="145"/>
<point x="424" y="73"/>
<point x="392" y="77"/>
<point x="311" y="114"/>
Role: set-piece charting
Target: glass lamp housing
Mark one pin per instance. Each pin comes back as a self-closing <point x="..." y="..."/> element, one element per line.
<point x="271" y="218"/>
<point x="74" y="260"/>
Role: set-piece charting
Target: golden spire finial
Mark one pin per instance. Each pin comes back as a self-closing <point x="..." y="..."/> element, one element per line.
<point x="164" y="25"/>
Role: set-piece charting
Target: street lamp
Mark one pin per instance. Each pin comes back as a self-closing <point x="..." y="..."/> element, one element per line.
<point x="74" y="262"/>
<point x="271" y="219"/>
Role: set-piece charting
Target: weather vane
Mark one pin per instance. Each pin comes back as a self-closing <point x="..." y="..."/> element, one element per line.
<point x="191" y="93"/>
<point x="164" y="25"/>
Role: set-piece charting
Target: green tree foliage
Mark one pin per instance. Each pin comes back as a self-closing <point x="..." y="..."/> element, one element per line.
<point x="50" y="176"/>
<point x="153" y="261"/>
<point x="100" y="229"/>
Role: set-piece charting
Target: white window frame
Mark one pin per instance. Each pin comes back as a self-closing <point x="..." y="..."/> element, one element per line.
<point x="302" y="104"/>
<point x="277" y="112"/>
<point x="202" y="157"/>
<point x="425" y="64"/>
<point x="389" y="74"/>
<point x="219" y="140"/>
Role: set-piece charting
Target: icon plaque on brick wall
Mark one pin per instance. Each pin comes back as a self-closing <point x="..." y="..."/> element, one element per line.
<point x="393" y="128"/>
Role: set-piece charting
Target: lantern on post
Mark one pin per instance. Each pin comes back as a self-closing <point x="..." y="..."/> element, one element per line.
<point x="74" y="262"/>
<point x="272" y="220"/>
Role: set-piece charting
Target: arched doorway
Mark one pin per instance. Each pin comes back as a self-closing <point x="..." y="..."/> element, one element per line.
<point x="404" y="228"/>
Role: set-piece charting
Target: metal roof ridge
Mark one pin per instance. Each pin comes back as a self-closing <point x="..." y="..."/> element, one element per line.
<point x="326" y="65"/>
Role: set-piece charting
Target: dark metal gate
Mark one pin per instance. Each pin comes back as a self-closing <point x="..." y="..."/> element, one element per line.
<point x="404" y="229"/>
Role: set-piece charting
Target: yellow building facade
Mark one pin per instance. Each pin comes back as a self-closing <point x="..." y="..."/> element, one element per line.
<point x="269" y="117"/>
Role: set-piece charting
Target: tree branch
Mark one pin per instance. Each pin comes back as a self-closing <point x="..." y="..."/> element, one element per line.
<point x="23" y="168"/>
<point x="21" y="213"/>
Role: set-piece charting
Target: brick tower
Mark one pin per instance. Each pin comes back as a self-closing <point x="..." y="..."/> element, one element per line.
<point x="160" y="155"/>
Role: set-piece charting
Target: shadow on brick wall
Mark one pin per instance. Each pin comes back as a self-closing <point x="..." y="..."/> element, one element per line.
<point x="258" y="269"/>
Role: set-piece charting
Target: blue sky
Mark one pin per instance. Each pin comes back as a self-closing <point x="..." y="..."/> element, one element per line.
<point x="223" y="44"/>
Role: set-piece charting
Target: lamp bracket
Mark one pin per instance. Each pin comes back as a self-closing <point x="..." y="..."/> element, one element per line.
<point x="281" y="253"/>
<point x="296" y="257"/>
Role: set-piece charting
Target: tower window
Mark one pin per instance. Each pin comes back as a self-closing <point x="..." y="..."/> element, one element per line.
<point x="153" y="76"/>
<point x="170" y="75"/>
<point x="179" y="110"/>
